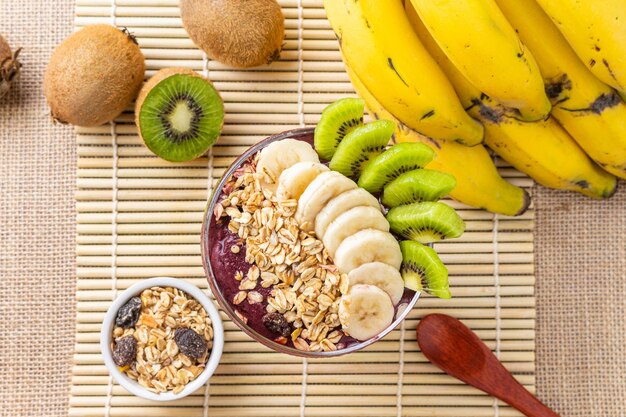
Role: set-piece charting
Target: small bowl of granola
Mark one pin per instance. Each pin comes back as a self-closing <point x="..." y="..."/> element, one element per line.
<point x="162" y="339"/>
<point x="270" y="270"/>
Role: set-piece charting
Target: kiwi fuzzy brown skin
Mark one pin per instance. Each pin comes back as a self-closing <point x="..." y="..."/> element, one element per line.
<point x="156" y="79"/>
<point x="93" y="75"/>
<point x="239" y="33"/>
<point x="9" y="66"/>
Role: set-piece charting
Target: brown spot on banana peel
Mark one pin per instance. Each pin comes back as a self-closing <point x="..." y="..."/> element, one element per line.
<point x="390" y="63"/>
<point x="608" y="68"/>
<point x="604" y="101"/>
<point x="557" y="87"/>
<point x="582" y="184"/>
<point x="428" y="114"/>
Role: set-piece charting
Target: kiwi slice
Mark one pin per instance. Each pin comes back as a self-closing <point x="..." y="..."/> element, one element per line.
<point x="398" y="159"/>
<point x="360" y="146"/>
<point x="416" y="186"/>
<point x="426" y="222"/>
<point x="338" y="119"/>
<point x="179" y="114"/>
<point x="422" y="270"/>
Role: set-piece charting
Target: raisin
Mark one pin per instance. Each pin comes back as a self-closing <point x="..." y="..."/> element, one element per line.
<point x="276" y="323"/>
<point x="128" y="314"/>
<point x="125" y="351"/>
<point x="190" y="343"/>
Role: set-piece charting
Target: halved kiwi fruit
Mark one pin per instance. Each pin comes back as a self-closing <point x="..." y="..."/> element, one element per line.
<point x="179" y="114"/>
<point x="426" y="222"/>
<point x="338" y="119"/>
<point x="422" y="270"/>
<point x="398" y="159"/>
<point x="416" y="186"/>
<point x="360" y="146"/>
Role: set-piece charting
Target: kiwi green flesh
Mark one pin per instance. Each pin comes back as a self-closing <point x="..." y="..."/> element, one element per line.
<point x="338" y="119"/>
<point x="425" y="222"/>
<point x="400" y="158"/>
<point x="360" y="146"/>
<point x="181" y="117"/>
<point x="422" y="270"/>
<point x="416" y="186"/>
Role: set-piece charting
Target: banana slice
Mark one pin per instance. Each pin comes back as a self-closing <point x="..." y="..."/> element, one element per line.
<point x="381" y="275"/>
<point x="294" y="180"/>
<point x="324" y="187"/>
<point x="350" y="222"/>
<point x="365" y="311"/>
<point x="365" y="246"/>
<point x="340" y="204"/>
<point x="280" y="155"/>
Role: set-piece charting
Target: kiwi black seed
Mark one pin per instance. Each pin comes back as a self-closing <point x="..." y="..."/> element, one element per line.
<point x="416" y="186"/>
<point x="426" y="222"/>
<point x="400" y="158"/>
<point x="338" y="119"/>
<point x="360" y="146"/>
<point x="422" y="270"/>
<point x="179" y="114"/>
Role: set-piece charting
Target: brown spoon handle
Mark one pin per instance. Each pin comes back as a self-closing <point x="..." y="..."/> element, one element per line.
<point x="453" y="347"/>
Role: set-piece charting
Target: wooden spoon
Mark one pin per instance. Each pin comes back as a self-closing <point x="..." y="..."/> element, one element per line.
<point x="453" y="347"/>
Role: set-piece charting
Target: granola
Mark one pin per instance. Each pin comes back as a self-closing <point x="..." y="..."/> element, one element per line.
<point x="305" y="285"/>
<point x="159" y="364"/>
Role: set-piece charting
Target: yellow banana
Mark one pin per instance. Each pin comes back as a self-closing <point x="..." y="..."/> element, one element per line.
<point x="477" y="38"/>
<point x="541" y="149"/>
<point x="478" y="182"/>
<point x="374" y="42"/>
<point x="587" y="108"/>
<point x="596" y="29"/>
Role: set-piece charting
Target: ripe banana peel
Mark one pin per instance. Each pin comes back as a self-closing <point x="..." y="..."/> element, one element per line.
<point x="482" y="45"/>
<point x="377" y="43"/>
<point x="591" y="111"/>
<point x="478" y="181"/>
<point x="596" y="29"/>
<point x="542" y="149"/>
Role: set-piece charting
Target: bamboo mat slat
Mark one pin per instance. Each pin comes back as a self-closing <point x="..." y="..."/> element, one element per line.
<point x="139" y="216"/>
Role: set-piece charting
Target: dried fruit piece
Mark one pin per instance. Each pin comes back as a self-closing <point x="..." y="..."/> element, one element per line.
<point x="190" y="343"/>
<point x="276" y="323"/>
<point x="128" y="314"/>
<point x="125" y="351"/>
<point x="9" y="66"/>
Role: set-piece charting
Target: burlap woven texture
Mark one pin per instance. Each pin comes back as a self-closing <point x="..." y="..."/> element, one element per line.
<point x="580" y="255"/>
<point x="37" y="223"/>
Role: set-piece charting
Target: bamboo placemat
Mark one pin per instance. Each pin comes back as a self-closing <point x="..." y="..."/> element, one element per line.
<point x="139" y="217"/>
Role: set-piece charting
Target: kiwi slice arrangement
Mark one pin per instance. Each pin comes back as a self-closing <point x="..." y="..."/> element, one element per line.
<point x="399" y="159"/>
<point x="396" y="175"/>
<point x="338" y="119"/>
<point x="422" y="270"/>
<point x="416" y="186"/>
<point x="179" y="114"/>
<point x="360" y="146"/>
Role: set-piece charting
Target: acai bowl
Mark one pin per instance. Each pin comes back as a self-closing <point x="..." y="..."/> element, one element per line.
<point x="307" y="262"/>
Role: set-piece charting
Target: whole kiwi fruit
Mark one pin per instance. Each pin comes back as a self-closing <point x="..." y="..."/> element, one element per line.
<point x="93" y="75"/>
<point x="9" y="66"/>
<point x="239" y="33"/>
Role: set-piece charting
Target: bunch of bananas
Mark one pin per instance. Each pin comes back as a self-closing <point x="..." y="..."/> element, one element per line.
<point x="542" y="83"/>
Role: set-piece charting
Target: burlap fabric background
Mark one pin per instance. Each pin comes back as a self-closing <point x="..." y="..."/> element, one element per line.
<point x="580" y="256"/>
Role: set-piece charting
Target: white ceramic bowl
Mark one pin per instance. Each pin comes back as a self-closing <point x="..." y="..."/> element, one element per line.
<point x="106" y="337"/>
